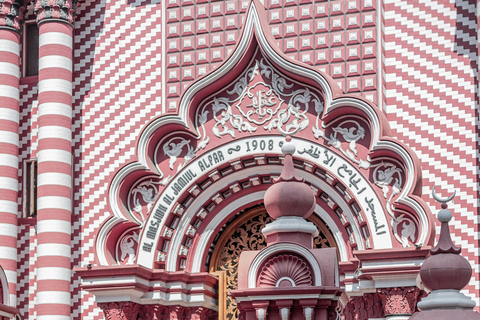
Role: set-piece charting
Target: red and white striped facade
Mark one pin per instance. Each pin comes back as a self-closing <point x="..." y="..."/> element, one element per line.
<point x="54" y="186"/>
<point x="108" y="75"/>
<point x="9" y="126"/>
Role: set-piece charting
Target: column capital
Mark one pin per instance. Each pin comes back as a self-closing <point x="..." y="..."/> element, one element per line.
<point x="11" y="14"/>
<point x="56" y="10"/>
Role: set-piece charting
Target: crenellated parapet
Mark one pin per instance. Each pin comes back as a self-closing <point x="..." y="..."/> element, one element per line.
<point x="54" y="9"/>
<point x="11" y="14"/>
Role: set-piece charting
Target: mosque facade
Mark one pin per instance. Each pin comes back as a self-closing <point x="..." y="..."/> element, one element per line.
<point x="138" y="139"/>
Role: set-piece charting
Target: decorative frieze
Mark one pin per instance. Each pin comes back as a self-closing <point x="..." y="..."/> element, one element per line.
<point x="387" y="302"/>
<point x="132" y="311"/>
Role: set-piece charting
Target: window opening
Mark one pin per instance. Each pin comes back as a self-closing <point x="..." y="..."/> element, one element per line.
<point x="30" y="190"/>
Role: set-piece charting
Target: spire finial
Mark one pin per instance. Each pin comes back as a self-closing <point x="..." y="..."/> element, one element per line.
<point x="445" y="273"/>
<point x="288" y="172"/>
<point x="289" y="195"/>
<point x="445" y="244"/>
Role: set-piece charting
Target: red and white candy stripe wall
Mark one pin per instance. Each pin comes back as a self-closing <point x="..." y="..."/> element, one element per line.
<point x="9" y="122"/>
<point x="127" y="70"/>
<point x="54" y="199"/>
<point x="117" y="89"/>
<point x="431" y="58"/>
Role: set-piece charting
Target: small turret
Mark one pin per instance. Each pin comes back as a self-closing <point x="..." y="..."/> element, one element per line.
<point x="290" y="201"/>
<point x="445" y="272"/>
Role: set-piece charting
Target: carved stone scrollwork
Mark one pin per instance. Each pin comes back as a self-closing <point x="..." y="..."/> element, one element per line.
<point x="127" y="247"/>
<point x="133" y="311"/>
<point x="349" y="131"/>
<point x="201" y="313"/>
<point x="150" y="312"/>
<point x="363" y="307"/>
<point x="262" y="98"/>
<point x="285" y="270"/>
<point x="399" y="300"/>
<point x="175" y="148"/>
<point x="120" y="310"/>
<point x="142" y="196"/>
<point x="389" y="177"/>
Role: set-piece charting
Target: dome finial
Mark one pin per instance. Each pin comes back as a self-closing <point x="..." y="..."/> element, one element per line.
<point x="289" y="195"/>
<point x="445" y="273"/>
<point x="445" y="244"/>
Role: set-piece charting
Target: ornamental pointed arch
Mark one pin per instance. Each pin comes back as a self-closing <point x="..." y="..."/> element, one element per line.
<point x="195" y="170"/>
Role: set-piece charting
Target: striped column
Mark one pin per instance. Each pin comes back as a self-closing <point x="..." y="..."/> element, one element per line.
<point x="10" y="23"/>
<point x="54" y="184"/>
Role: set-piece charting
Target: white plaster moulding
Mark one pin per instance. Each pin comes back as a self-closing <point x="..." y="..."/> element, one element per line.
<point x="208" y="233"/>
<point x="150" y="130"/>
<point x="292" y="296"/>
<point x="195" y="298"/>
<point x="115" y="188"/>
<point x="102" y="239"/>
<point x="390" y="264"/>
<point x="409" y="183"/>
<point x="377" y="144"/>
<point x="395" y="281"/>
<point x="118" y="215"/>
<point x="220" y="216"/>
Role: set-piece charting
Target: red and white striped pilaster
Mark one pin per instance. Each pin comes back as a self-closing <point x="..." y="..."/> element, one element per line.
<point x="54" y="191"/>
<point x="9" y="140"/>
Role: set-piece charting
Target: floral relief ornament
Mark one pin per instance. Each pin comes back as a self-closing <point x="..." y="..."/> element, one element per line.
<point x="127" y="244"/>
<point x="261" y="97"/>
<point x="173" y="149"/>
<point x="143" y="194"/>
<point x="388" y="176"/>
<point x="349" y="131"/>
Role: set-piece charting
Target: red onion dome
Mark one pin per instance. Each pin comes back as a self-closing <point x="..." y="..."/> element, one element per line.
<point x="289" y="195"/>
<point x="445" y="268"/>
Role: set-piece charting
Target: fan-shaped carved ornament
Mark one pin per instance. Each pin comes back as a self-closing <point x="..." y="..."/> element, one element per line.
<point x="285" y="271"/>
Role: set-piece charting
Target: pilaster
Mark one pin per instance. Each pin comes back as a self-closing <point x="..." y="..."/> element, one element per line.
<point x="54" y="191"/>
<point x="11" y="16"/>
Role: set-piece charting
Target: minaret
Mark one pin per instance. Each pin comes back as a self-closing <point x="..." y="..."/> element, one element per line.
<point x="10" y="28"/>
<point x="445" y="272"/>
<point x="54" y="195"/>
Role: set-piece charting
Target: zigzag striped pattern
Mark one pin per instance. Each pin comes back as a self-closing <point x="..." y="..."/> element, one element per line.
<point x="26" y="273"/>
<point x="431" y="92"/>
<point x="431" y="63"/>
<point x="117" y="85"/>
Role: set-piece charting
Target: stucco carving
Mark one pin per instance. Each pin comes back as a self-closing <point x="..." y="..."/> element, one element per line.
<point x="285" y="270"/>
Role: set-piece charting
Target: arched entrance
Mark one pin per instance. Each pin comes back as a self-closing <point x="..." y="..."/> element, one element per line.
<point x="244" y="233"/>
<point x="197" y="169"/>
